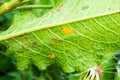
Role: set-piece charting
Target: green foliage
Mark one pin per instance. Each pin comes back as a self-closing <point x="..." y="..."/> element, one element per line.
<point x="6" y="20"/>
<point x="75" y="35"/>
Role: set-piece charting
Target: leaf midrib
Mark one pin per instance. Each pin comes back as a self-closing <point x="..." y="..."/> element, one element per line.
<point x="4" y="37"/>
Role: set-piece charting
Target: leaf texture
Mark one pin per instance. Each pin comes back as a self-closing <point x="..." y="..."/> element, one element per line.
<point x="75" y="34"/>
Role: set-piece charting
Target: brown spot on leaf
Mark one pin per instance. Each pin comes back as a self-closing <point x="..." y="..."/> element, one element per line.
<point x="85" y="7"/>
<point x="56" y="40"/>
<point x="34" y="42"/>
<point x="59" y="9"/>
<point x="23" y="47"/>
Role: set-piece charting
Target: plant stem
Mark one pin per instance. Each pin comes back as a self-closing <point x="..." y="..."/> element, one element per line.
<point x="8" y="6"/>
<point x="35" y="6"/>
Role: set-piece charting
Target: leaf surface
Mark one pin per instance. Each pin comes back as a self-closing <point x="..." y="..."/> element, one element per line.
<point x="75" y="34"/>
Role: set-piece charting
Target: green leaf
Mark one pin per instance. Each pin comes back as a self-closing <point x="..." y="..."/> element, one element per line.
<point x="75" y="34"/>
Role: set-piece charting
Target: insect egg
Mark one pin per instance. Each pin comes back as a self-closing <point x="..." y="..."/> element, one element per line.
<point x="51" y="56"/>
<point x="67" y="30"/>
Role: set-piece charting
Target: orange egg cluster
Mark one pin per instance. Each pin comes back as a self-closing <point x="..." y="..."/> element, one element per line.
<point x="67" y="30"/>
<point x="51" y="56"/>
